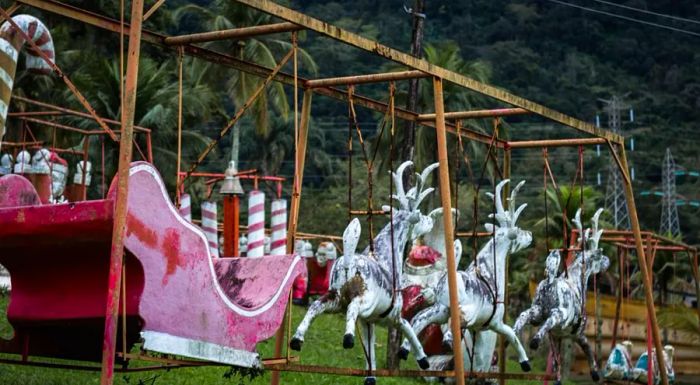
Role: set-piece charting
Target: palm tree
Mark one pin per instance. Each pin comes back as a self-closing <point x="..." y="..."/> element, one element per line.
<point x="262" y="50"/>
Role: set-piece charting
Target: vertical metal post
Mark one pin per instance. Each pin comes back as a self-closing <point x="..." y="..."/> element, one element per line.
<point x="125" y="150"/>
<point x="501" y="339"/>
<point x="455" y="322"/>
<point x="300" y="159"/>
<point x="643" y="264"/>
<point x="229" y="214"/>
<point x="236" y="224"/>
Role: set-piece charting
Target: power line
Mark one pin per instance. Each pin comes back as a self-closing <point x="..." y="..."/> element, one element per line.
<point x="626" y="18"/>
<point x="648" y="12"/>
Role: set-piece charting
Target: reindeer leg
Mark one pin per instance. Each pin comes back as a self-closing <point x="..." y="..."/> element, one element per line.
<point x="368" y="339"/>
<point x="415" y="343"/>
<point x="501" y="328"/>
<point x="350" y="318"/>
<point x="328" y="303"/>
<point x="582" y="341"/>
<point x="555" y="319"/>
<point x="526" y="318"/>
<point x="433" y="314"/>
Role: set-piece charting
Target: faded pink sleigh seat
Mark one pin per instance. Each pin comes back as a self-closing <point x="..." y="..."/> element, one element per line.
<point x="179" y="299"/>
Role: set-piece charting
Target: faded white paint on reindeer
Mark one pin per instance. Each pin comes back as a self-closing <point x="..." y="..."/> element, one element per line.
<point x="481" y="288"/>
<point x="558" y="304"/>
<point x="362" y="285"/>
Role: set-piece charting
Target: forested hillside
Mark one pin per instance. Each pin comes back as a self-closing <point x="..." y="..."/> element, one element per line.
<point x="564" y="57"/>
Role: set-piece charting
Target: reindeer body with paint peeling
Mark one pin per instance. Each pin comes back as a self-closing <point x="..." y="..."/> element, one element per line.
<point x="558" y="304"/>
<point x="362" y="284"/>
<point x="481" y="288"/>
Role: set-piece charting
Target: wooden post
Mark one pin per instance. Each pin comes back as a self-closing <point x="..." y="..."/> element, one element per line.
<point x="501" y="339"/>
<point x="120" y="208"/>
<point x="300" y="159"/>
<point x="644" y="266"/>
<point x="455" y="323"/>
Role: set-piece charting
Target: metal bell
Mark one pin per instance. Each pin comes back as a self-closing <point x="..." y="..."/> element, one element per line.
<point x="232" y="183"/>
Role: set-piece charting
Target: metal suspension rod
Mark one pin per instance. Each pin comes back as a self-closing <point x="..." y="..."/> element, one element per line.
<point x="477" y="114"/>
<point x="236" y="33"/>
<point x="363" y="79"/>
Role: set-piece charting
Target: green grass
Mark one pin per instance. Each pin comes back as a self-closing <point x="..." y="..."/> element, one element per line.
<point x="323" y="346"/>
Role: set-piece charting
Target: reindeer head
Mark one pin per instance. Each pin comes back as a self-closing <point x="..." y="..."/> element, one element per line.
<point x="551" y="265"/>
<point x="594" y="258"/>
<point x="411" y="200"/>
<point x="506" y="230"/>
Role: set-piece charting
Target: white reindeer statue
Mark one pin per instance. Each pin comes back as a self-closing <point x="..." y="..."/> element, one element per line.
<point x="558" y="304"/>
<point x="481" y="288"/>
<point x="362" y="284"/>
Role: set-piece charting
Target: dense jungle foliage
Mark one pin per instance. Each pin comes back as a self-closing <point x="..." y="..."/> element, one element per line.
<point x="563" y="57"/>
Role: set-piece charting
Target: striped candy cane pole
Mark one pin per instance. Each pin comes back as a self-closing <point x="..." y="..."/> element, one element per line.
<point x="11" y="42"/>
<point x="256" y="224"/>
<point x="209" y="225"/>
<point x="278" y="222"/>
<point x="186" y="207"/>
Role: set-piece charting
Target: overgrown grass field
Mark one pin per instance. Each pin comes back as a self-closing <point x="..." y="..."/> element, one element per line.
<point x="323" y="346"/>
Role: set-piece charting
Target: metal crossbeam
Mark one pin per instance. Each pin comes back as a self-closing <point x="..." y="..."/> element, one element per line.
<point x="412" y="62"/>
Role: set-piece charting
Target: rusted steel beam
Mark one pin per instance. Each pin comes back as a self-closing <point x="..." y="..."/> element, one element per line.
<point x="57" y="125"/>
<point x="34" y="113"/>
<point x="363" y="79"/>
<point x="153" y="9"/>
<point x="477" y="114"/>
<point x="68" y="111"/>
<point x="232" y="62"/>
<point x="646" y="276"/>
<point x="236" y="33"/>
<point x="445" y="198"/>
<point x="555" y="143"/>
<point x="401" y="373"/>
<point x="472" y="234"/>
<point x="22" y="144"/>
<point x="412" y="62"/>
<point x="366" y="212"/>
<point x="128" y="109"/>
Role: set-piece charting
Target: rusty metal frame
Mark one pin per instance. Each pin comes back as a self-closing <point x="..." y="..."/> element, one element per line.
<point x="236" y="33"/>
<point x="440" y="121"/>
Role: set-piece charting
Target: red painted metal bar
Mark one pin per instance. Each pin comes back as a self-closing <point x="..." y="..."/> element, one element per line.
<point x="229" y="214"/>
<point x="120" y="210"/>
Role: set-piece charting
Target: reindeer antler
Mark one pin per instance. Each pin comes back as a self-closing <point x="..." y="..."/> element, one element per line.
<point x="506" y="218"/>
<point x="595" y="233"/>
<point x="400" y="195"/>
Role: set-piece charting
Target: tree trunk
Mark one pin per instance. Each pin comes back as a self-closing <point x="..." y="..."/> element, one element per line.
<point x="406" y="152"/>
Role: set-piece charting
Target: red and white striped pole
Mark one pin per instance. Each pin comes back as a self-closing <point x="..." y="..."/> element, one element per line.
<point x="278" y="224"/>
<point x="11" y="42"/>
<point x="256" y="224"/>
<point x="210" y="227"/>
<point x="186" y="207"/>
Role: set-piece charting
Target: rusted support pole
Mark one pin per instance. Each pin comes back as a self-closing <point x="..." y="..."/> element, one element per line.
<point x="455" y="322"/>
<point x="364" y="79"/>
<point x="501" y="339"/>
<point x="477" y="114"/>
<point x="555" y="143"/>
<point x="299" y="160"/>
<point x="120" y="207"/>
<point x="643" y="265"/>
<point x="236" y="33"/>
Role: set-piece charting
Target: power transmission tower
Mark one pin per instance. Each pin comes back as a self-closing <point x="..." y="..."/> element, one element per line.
<point x="615" y="201"/>
<point x="669" y="209"/>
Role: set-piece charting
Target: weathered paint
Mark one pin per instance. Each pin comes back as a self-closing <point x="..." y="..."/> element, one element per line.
<point x="223" y="307"/>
